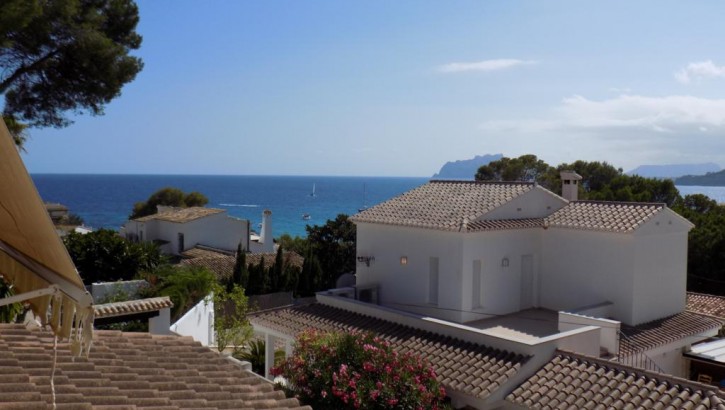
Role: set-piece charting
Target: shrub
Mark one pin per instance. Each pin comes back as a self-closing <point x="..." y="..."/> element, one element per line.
<point x="358" y="371"/>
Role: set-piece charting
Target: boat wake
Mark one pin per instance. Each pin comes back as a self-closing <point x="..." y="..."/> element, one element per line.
<point x="241" y="205"/>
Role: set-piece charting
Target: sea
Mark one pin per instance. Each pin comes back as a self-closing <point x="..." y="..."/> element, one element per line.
<point x="105" y="201"/>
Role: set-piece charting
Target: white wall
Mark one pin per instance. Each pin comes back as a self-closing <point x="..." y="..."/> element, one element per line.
<point x="407" y="286"/>
<point x="217" y="231"/>
<point x="608" y="336"/>
<point x="536" y="203"/>
<point x="500" y="285"/>
<point x="582" y="268"/>
<point x="660" y="278"/>
<point x="198" y="322"/>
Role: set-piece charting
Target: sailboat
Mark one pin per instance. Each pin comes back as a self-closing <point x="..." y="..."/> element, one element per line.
<point x="365" y="191"/>
<point x="313" y="191"/>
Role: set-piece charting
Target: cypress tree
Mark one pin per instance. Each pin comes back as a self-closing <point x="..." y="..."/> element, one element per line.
<point x="240" y="274"/>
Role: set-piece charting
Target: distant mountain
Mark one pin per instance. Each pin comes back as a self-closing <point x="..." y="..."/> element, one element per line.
<point x="465" y="168"/>
<point x="709" y="179"/>
<point x="674" y="170"/>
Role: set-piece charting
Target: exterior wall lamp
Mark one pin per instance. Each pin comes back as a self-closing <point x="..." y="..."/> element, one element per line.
<point x="505" y="262"/>
<point x="366" y="259"/>
<point x="403" y="260"/>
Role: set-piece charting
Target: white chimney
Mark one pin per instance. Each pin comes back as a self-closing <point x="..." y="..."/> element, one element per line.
<point x="266" y="237"/>
<point x="570" y="185"/>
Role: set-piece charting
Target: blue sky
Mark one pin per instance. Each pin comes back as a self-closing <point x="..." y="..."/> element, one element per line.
<point x="400" y="87"/>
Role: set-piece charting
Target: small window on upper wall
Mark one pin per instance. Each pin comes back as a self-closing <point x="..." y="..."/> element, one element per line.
<point x="567" y="182"/>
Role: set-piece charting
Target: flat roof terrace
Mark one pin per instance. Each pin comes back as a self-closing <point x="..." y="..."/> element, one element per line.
<point x="529" y="324"/>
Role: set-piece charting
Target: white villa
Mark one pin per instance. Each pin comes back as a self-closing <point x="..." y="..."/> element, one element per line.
<point x="464" y="251"/>
<point x="177" y="230"/>
<point x="521" y="298"/>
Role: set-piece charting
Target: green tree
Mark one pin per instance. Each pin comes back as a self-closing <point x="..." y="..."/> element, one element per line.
<point x="64" y="55"/>
<point x="333" y="244"/>
<point x="240" y="274"/>
<point x="297" y="244"/>
<point x="231" y="326"/>
<point x="526" y="168"/>
<point x="167" y="197"/>
<point x="103" y="255"/>
<point x="8" y="313"/>
<point x="310" y="279"/>
<point x="706" y="243"/>
<point x="255" y="353"/>
<point x="185" y="285"/>
<point x="277" y="282"/>
<point x="258" y="279"/>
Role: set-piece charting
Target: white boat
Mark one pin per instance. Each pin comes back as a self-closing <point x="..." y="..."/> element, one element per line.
<point x="365" y="191"/>
<point x="313" y="191"/>
<point x="306" y="217"/>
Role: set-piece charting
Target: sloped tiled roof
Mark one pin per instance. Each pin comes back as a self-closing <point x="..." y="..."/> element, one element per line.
<point x="126" y="371"/>
<point x="205" y="252"/>
<point x="711" y="305"/>
<point x="502" y="224"/>
<point x="181" y="215"/>
<point x="663" y="331"/>
<point x="620" y="217"/>
<point x="223" y="265"/>
<point x="571" y="381"/>
<point x="443" y="205"/>
<point x="473" y="369"/>
<point x="132" y="307"/>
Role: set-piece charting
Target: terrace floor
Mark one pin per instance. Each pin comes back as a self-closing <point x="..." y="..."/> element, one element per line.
<point x="525" y="324"/>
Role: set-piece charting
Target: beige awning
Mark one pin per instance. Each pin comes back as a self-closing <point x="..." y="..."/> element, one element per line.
<point x="32" y="256"/>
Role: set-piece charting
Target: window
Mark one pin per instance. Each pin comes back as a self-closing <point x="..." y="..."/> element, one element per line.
<point x="140" y="236"/>
<point x="181" y="242"/>
<point x="433" y="282"/>
<point x="476" y="285"/>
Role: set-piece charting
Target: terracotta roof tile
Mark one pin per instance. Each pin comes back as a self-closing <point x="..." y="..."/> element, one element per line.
<point x="126" y="371"/>
<point x="181" y="215"/>
<point x="711" y="305"/>
<point x="575" y="381"/>
<point x="461" y="366"/>
<point x="131" y="307"/>
<point x="443" y="205"/>
<point x="206" y="252"/>
<point x="663" y="331"/>
<point x="502" y="224"/>
<point x="620" y="217"/>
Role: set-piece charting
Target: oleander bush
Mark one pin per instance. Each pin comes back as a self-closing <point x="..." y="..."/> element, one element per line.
<point x="357" y="371"/>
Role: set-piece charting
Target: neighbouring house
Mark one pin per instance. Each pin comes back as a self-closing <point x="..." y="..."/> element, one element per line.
<point x="466" y="251"/>
<point x="57" y="212"/>
<point x="474" y="252"/>
<point x="177" y="230"/>
<point x="491" y="282"/>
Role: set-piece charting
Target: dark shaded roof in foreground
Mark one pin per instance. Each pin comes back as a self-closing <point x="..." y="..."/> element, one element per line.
<point x="126" y="371"/>
<point x="571" y="381"/>
<point x="663" y="331"/>
<point x="711" y="305"/>
<point x="470" y="368"/>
